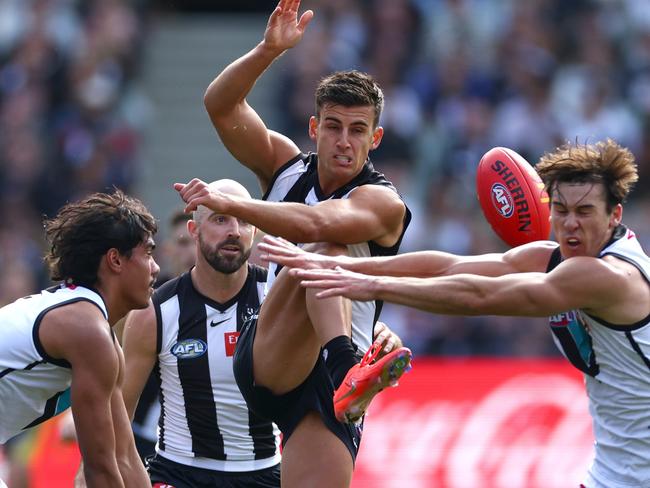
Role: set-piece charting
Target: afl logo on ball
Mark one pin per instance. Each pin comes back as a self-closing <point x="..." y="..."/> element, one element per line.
<point x="502" y="200"/>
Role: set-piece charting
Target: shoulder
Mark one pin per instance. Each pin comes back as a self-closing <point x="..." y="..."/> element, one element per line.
<point x="609" y="274"/>
<point x="377" y="195"/>
<point x="75" y="330"/>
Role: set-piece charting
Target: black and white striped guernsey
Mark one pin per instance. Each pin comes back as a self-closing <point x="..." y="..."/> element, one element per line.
<point x="204" y="420"/>
<point x="297" y="181"/>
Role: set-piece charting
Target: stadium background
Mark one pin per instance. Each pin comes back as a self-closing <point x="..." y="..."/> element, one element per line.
<point x="102" y="93"/>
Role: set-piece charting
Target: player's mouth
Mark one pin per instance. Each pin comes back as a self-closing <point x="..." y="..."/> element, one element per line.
<point x="573" y="242"/>
<point x="230" y="250"/>
<point x="346" y="160"/>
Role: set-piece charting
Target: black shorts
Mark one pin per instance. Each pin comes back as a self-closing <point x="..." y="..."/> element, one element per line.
<point x="173" y="474"/>
<point x="316" y="393"/>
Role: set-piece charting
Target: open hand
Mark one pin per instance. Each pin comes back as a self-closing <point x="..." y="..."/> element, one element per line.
<point x="281" y="251"/>
<point x="284" y="30"/>
<point x="338" y="282"/>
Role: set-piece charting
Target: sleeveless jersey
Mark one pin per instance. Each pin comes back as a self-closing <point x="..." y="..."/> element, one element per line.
<point x="34" y="387"/>
<point x="297" y="181"/>
<point x="204" y="421"/>
<point x="615" y="360"/>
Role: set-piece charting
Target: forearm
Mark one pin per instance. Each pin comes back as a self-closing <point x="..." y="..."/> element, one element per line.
<point x="421" y="264"/>
<point x="437" y="295"/>
<point x="234" y="83"/>
<point x="295" y="222"/>
<point x="463" y="294"/>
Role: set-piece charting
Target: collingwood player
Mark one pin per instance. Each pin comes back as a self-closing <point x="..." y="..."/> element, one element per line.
<point x="207" y="436"/>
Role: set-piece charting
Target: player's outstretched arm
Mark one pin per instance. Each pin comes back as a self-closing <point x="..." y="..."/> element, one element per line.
<point x="585" y="283"/>
<point x="241" y="129"/>
<point x="421" y="264"/>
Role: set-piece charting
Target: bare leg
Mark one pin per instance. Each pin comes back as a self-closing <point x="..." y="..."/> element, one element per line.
<point x="292" y="327"/>
<point x="314" y="457"/>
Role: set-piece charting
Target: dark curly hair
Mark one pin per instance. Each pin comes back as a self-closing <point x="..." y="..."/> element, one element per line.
<point x="604" y="162"/>
<point x="82" y="232"/>
<point x="350" y="89"/>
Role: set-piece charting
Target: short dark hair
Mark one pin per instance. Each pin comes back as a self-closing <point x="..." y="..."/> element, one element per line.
<point x="350" y="89"/>
<point x="604" y="162"/>
<point x="82" y="232"/>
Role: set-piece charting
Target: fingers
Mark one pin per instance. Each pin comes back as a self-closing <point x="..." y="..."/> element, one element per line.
<point x="305" y="19"/>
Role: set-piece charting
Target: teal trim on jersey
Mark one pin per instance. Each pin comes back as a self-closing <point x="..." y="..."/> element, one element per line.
<point x="582" y="340"/>
<point x="63" y="402"/>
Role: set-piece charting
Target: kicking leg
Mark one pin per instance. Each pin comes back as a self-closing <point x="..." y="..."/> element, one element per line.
<point x="292" y="327"/>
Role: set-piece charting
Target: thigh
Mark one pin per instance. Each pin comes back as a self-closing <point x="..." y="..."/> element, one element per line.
<point x="314" y="456"/>
<point x="285" y="347"/>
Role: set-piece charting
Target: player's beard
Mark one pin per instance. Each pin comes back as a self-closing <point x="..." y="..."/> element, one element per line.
<point x="224" y="264"/>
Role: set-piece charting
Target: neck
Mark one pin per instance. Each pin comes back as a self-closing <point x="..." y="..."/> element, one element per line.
<point x="115" y="307"/>
<point x="215" y="285"/>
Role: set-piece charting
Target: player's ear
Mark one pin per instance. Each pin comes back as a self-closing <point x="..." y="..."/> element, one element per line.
<point x="617" y="215"/>
<point x="192" y="227"/>
<point x="113" y="259"/>
<point x="313" y="127"/>
<point x="377" y="135"/>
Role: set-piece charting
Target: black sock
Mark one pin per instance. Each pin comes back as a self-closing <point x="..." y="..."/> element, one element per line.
<point x="339" y="358"/>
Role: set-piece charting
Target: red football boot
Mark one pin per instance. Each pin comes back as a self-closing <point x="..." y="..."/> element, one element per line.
<point x="365" y="380"/>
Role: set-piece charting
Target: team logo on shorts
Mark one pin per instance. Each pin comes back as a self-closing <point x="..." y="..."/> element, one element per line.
<point x="189" y="349"/>
<point x="502" y="200"/>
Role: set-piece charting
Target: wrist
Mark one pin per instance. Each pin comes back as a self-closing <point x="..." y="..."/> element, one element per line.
<point x="378" y="285"/>
<point x="268" y="51"/>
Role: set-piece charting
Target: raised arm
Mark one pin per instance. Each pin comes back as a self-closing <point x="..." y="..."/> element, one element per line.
<point x="420" y="264"/>
<point x="241" y="129"/>
<point x="586" y="283"/>
<point x="371" y="213"/>
<point x="139" y="344"/>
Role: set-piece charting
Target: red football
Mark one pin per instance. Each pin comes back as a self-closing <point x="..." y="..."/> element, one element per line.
<point x="512" y="197"/>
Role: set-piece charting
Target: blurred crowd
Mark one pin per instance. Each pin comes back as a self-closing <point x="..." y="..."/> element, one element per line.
<point x="460" y="76"/>
<point x="70" y="117"/>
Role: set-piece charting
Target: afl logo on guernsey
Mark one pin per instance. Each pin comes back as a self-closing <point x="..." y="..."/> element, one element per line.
<point x="189" y="349"/>
<point x="502" y="200"/>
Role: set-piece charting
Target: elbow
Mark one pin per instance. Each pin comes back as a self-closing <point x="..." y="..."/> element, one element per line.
<point x="210" y="103"/>
<point x="213" y="104"/>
